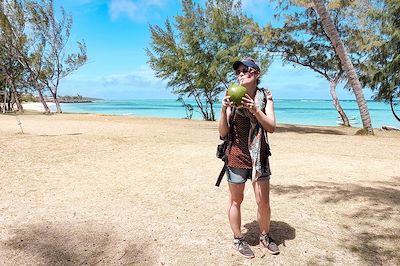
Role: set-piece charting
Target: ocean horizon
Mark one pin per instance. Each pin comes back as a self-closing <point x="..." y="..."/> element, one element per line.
<point x="288" y="111"/>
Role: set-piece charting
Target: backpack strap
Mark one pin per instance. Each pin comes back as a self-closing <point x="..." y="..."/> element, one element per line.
<point x="230" y="140"/>
<point x="221" y="174"/>
<point x="265" y="134"/>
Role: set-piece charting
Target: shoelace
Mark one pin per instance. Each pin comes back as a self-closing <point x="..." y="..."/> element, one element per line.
<point x="241" y="242"/>
<point x="265" y="238"/>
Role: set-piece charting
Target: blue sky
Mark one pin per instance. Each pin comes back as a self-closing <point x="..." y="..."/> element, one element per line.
<point x="116" y="33"/>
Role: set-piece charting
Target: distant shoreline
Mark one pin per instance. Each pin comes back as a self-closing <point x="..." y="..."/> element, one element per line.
<point x="73" y="99"/>
<point x="62" y="99"/>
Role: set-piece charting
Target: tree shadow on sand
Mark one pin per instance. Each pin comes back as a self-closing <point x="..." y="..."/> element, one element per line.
<point x="308" y="130"/>
<point x="372" y="234"/>
<point x="279" y="231"/>
<point x="383" y="192"/>
<point x="41" y="244"/>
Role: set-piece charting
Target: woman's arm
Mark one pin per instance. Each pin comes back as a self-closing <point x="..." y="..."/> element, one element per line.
<point x="223" y="125"/>
<point x="267" y="119"/>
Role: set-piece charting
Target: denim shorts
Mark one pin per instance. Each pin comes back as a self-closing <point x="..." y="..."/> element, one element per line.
<point x="240" y="175"/>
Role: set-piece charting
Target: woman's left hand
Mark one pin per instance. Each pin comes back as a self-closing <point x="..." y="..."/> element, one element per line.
<point x="249" y="104"/>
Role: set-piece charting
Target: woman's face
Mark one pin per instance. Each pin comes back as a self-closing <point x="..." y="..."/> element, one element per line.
<point x="246" y="75"/>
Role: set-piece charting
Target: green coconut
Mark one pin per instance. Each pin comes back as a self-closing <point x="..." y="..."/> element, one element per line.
<point x="236" y="92"/>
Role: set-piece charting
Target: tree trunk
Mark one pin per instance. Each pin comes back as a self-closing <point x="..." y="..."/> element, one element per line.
<point x="45" y="106"/>
<point x="9" y="102"/>
<point x="392" y="104"/>
<point x="347" y="65"/>
<point x="5" y="100"/>
<point x="17" y="101"/>
<point x="335" y="100"/>
<point x="58" y="106"/>
<point x="56" y="101"/>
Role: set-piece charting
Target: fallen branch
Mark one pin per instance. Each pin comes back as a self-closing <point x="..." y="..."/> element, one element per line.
<point x="390" y="128"/>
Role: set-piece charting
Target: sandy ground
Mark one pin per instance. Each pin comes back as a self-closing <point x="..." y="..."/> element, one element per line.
<point x="32" y="106"/>
<point x="106" y="190"/>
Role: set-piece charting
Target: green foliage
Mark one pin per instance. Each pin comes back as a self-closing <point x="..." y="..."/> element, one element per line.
<point x="197" y="60"/>
<point x="382" y="72"/>
<point x="56" y="63"/>
<point x="302" y="41"/>
<point x="29" y="98"/>
<point x="33" y="53"/>
<point x="12" y="39"/>
<point x="188" y="107"/>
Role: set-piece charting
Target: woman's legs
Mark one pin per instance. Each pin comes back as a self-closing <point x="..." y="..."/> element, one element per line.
<point x="261" y="191"/>
<point x="235" y="199"/>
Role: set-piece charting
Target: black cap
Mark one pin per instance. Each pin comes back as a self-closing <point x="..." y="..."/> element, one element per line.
<point x="249" y="62"/>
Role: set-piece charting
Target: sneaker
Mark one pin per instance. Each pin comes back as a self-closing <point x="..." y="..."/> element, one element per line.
<point x="241" y="246"/>
<point x="267" y="242"/>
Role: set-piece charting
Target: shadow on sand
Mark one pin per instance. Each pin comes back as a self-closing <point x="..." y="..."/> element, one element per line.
<point x="280" y="232"/>
<point x="386" y="193"/>
<point x="307" y="130"/>
<point x="372" y="235"/>
<point x="40" y="244"/>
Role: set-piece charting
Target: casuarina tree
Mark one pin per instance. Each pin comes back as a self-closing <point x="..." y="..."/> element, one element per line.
<point x="195" y="54"/>
<point x="382" y="70"/>
<point x="57" y="63"/>
<point x="300" y="40"/>
<point x="347" y="65"/>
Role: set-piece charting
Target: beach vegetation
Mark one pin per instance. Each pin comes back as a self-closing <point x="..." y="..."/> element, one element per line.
<point x="301" y="41"/>
<point x="318" y="35"/>
<point x="23" y="46"/>
<point x="34" y="54"/>
<point x="382" y="69"/>
<point x="195" y="53"/>
<point x="188" y="107"/>
<point x="29" y="98"/>
<point x="57" y="64"/>
<point x="12" y="38"/>
<point x="353" y="78"/>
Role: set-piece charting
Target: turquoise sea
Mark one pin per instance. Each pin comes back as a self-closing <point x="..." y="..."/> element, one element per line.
<point x="304" y="112"/>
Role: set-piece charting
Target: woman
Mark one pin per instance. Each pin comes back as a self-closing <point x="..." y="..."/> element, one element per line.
<point x="248" y="153"/>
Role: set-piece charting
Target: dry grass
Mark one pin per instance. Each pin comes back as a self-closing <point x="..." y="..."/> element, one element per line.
<point x="105" y="190"/>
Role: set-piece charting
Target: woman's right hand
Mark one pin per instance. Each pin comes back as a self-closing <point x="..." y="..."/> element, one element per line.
<point x="226" y="102"/>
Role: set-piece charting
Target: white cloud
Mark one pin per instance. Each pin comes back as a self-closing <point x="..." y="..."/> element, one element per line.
<point x="138" y="83"/>
<point x="140" y="78"/>
<point x="135" y="10"/>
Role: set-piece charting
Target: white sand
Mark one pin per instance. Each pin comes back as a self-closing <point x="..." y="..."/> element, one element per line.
<point x="32" y="106"/>
<point x="111" y="190"/>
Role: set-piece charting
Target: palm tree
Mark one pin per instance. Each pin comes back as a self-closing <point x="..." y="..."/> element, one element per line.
<point x="347" y="65"/>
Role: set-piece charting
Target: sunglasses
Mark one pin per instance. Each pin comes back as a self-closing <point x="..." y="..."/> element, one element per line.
<point x="244" y="71"/>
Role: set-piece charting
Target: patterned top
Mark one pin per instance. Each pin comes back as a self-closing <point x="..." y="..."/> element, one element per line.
<point x="250" y="148"/>
<point x="239" y="154"/>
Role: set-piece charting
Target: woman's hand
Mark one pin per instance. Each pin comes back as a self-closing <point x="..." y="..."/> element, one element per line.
<point x="269" y="95"/>
<point x="226" y="102"/>
<point x="249" y="104"/>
